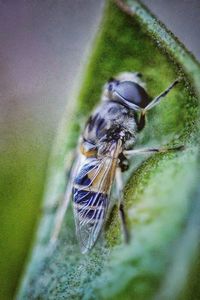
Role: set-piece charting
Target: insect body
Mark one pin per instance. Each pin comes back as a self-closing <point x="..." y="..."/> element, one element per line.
<point x="107" y="140"/>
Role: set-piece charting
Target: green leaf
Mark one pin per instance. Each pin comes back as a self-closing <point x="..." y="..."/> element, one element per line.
<point x="161" y="195"/>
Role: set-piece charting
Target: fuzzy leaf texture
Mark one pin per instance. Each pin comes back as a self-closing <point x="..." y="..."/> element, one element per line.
<point x="162" y="191"/>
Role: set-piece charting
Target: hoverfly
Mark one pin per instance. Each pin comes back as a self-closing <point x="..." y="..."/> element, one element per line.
<point x="106" y="144"/>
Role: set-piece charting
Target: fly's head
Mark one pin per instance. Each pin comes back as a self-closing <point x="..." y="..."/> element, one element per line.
<point x="128" y="89"/>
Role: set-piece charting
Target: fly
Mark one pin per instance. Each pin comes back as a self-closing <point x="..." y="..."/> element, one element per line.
<point x="106" y="144"/>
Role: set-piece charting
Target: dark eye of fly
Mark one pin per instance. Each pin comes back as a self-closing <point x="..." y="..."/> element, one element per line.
<point x="133" y="93"/>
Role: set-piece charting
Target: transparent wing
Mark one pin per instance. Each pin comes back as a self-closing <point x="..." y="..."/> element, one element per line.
<point x="91" y="196"/>
<point x="60" y="214"/>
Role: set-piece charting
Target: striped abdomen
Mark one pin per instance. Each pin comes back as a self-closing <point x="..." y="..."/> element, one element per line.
<point x="90" y="197"/>
<point x="91" y="191"/>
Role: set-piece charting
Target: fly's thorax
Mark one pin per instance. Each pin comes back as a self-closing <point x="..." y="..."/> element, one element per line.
<point x="111" y="121"/>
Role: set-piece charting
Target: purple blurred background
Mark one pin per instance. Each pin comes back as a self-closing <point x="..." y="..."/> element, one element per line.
<point x="42" y="45"/>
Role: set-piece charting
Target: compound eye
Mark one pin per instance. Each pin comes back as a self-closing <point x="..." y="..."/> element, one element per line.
<point x="133" y="93"/>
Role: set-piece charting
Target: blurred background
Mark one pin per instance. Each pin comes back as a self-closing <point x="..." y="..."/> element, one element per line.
<point x="43" y="47"/>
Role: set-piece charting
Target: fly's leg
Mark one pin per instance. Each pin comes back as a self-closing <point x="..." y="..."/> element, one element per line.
<point x="119" y="187"/>
<point x="130" y="153"/>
